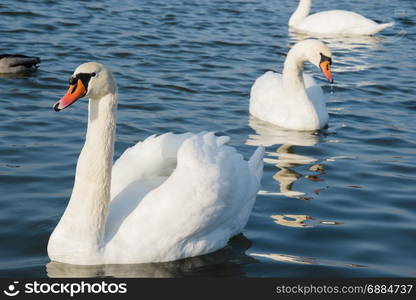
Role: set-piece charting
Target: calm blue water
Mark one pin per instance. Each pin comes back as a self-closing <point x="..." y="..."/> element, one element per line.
<point x="336" y="203"/>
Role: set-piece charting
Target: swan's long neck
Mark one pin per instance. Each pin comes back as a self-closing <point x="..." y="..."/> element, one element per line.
<point x="83" y="224"/>
<point x="293" y="72"/>
<point x="301" y="12"/>
<point x="305" y="111"/>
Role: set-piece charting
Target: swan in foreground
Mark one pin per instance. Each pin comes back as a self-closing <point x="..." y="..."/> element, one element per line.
<point x="332" y="22"/>
<point x="169" y="197"/>
<point x="293" y="100"/>
<point x="17" y="63"/>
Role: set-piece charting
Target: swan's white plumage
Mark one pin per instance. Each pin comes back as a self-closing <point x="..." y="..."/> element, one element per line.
<point x="340" y="22"/>
<point x="169" y="197"/>
<point x="269" y="104"/>
<point x="205" y="201"/>
<point x="161" y="151"/>
<point x="297" y="103"/>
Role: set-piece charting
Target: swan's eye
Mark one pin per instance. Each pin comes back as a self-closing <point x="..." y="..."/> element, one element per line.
<point x="84" y="77"/>
<point x="325" y="58"/>
<point x="72" y="80"/>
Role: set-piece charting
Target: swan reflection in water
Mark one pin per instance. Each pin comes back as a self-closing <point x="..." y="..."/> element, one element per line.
<point x="350" y="43"/>
<point x="300" y="221"/>
<point x="226" y="262"/>
<point x="285" y="159"/>
<point x="305" y="260"/>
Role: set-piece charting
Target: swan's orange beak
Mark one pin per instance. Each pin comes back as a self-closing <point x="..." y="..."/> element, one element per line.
<point x="75" y="91"/>
<point x="326" y="69"/>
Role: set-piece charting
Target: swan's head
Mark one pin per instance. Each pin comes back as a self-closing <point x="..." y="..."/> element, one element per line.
<point x="319" y="55"/>
<point x="92" y="80"/>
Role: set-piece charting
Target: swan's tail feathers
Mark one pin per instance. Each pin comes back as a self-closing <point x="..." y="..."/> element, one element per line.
<point x="381" y="27"/>
<point x="222" y="140"/>
<point x="255" y="163"/>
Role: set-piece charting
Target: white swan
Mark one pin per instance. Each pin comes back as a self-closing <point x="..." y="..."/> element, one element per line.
<point x="166" y="198"/>
<point x="291" y="100"/>
<point x="332" y="22"/>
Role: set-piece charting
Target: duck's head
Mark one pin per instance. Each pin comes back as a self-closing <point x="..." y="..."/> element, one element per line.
<point x="90" y="79"/>
<point x="319" y="55"/>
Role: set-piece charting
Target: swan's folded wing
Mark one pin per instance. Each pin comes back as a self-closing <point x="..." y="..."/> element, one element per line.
<point x="265" y="96"/>
<point x="151" y="158"/>
<point x="336" y="21"/>
<point x="140" y="169"/>
<point x="206" y="200"/>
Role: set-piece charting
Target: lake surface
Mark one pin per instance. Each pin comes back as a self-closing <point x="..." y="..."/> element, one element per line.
<point x="337" y="203"/>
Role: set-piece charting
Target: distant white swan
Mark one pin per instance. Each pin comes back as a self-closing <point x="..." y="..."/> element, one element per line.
<point x="169" y="197"/>
<point x="332" y="22"/>
<point x="294" y="100"/>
